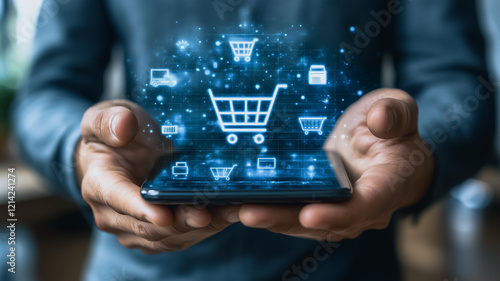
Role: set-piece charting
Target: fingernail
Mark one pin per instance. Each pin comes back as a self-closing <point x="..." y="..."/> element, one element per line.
<point x="233" y="217"/>
<point x="391" y="120"/>
<point x="113" y="124"/>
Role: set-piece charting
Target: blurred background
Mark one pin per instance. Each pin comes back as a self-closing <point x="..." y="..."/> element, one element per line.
<point x="457" y="238"/>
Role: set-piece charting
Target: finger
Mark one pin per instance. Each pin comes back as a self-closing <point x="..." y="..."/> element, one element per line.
<point x="119" y="193"/>
<point x="222" y="216"/>
<point x="393" y="117"/>
<point x="272" y="217"/>
<point x="108" y="220"/>
<point x="113" y="125"/>
<point x="282" y="219"/>
<point x="370" y="206"/>
<point x="188" y="218"/>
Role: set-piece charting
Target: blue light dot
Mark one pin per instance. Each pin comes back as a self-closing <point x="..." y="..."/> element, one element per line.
<point x="218" y="43"/>
<point x="342" y="51"/>
<point x="303" y="97"/>
<point x="226" y="86"/>
<point x="159" y="98"/>
<point x="257" y="86"/>
<point x="352" y="29"/>
<point x="298" y="75"/>
<point x="311" y="168"/>
<point x="360" y="93"/>
<point x="207" y="72"/>
<point x="204" y="115"/>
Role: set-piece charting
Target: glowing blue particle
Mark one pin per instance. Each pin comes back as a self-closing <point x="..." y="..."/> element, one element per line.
<point x="204" y="115"/>
<point x="264" y="150"/>
<point x="203" y="128"/>
<point x="226" y="86"/>
<point x="360" y="93"/>
<point x="310" y="168"/>
<point x="342" y="51"/>
<point x="294" y="155"/>
<point x="257" y="86"/>
<point x="159" y="98"/>
<point x="213" y="75"/>
<point x="151" y="131"/>
<point x="218" y="43"/>
<point x="207" y="72"/>
<point x="326" y="101"/>
<point x="215" y="65"/>
<point x="197" y="69"/>
<point x="352" y="29"/>
<point x="298" y="75"/>
<point x="303" y="97"/>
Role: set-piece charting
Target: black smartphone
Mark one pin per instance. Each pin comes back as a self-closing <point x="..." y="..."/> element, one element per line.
<point x="172" y="184"/>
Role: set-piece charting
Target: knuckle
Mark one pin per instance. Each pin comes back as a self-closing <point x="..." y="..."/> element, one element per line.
<point x="102" y="223"/>
<point x="143" y="231"/>
<point x="382" y="223"/>
<point x="168" y="245"/>
<point x="127" y="243"/>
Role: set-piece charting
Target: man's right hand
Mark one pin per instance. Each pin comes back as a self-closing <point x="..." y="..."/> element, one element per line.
<point x="119" y="146"/>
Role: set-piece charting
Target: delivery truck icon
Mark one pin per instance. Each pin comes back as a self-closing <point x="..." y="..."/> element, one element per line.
<point x="180" y="170"/>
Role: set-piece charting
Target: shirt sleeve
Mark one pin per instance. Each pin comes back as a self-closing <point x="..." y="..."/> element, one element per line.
<point x="70" y="53"/>
<point x="439" y="58"/>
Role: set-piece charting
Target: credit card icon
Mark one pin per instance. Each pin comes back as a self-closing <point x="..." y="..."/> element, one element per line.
<point x="266" y="163"/>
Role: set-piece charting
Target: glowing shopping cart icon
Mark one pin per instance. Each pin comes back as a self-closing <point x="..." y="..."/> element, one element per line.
<point x="242" y="49"/>
<point x="312" y="124"/>
<point x="222" y="172"/>
<point x="244" y="114"/>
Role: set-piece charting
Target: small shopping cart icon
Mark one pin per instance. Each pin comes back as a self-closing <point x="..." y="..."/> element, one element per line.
<point x="222" y="172"/>
<point x="242" y="49"/>
<point x="312" y="124"/>
<point x="244" y="114"/>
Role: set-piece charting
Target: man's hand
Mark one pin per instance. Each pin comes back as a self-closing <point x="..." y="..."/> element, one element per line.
<point x="377" y="139"/>
<point x="120" y="144"/>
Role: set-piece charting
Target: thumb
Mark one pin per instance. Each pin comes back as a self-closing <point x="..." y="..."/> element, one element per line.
<point x="113" y="125"/>
<point x="394" y="115"/>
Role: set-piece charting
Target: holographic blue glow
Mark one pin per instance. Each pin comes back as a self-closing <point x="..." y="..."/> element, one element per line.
<point x="188" y="115"/>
